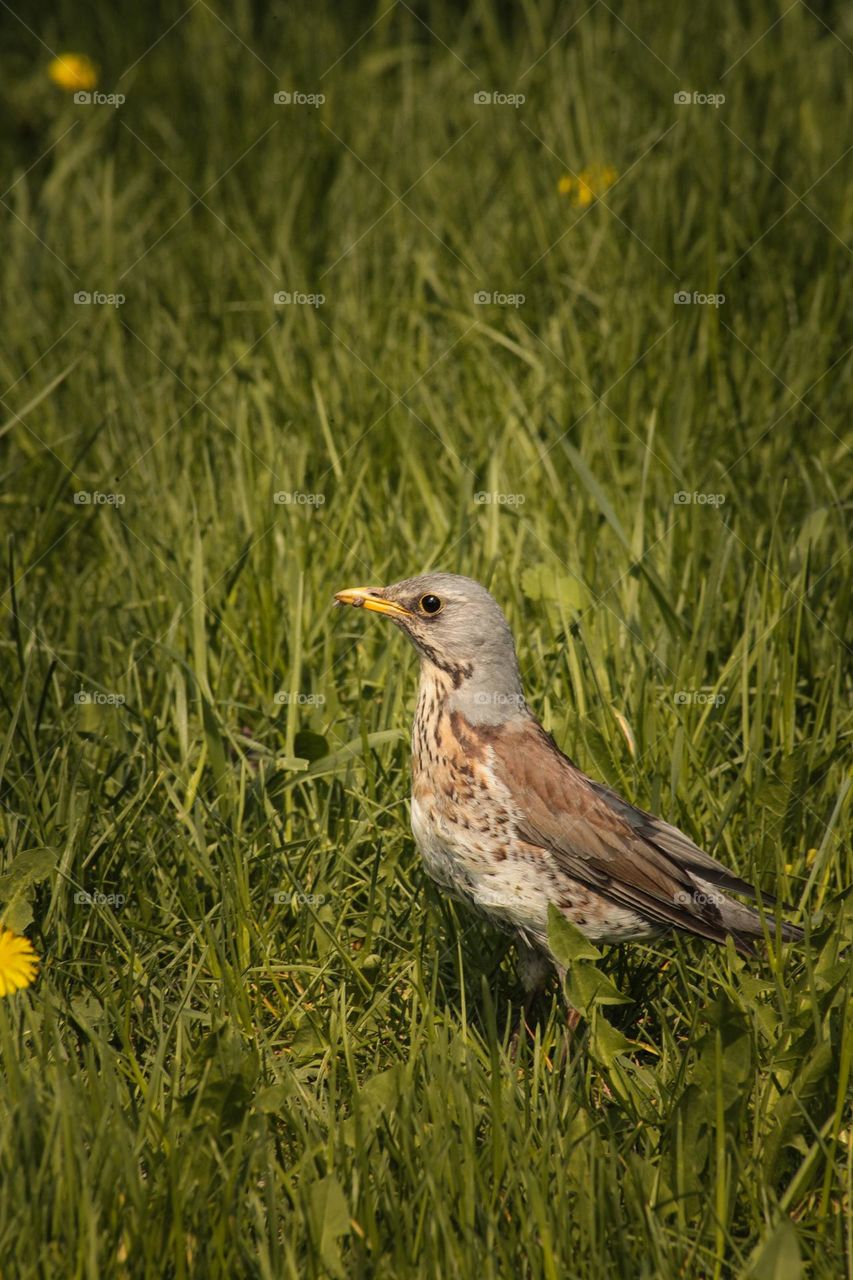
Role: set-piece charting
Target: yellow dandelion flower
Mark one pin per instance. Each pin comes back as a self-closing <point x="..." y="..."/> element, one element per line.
<point x="73" y="71"/>
<point x="18" y="962"/>
<point x="588" y="185"/>
<point x="585" y="195"/>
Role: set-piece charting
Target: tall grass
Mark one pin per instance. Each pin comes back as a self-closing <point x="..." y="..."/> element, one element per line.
<point x="261" y="1044"/>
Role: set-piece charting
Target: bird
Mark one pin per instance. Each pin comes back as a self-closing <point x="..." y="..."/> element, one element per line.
<point x="507" y="823"/>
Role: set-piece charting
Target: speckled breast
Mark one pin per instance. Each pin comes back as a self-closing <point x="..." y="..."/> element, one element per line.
<point x="463" y="824"/>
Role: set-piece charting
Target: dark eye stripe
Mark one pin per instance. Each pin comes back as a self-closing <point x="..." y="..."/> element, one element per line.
<point x="430" y="604"/>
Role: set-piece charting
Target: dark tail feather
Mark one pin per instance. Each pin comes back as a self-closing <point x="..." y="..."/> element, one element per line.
<point x="744" y="923"/>
<point x="730" y="883"/>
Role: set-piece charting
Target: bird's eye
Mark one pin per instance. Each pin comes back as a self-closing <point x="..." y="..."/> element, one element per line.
<point x="431" y="604"/>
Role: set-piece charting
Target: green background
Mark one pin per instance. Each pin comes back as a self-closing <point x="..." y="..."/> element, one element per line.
<point x="283" y="1054"/>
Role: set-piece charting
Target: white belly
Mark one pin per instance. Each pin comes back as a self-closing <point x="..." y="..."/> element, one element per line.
<point x="440" y="857"/>
<point x="515" y="892"/>
<point x="512" y="892"/>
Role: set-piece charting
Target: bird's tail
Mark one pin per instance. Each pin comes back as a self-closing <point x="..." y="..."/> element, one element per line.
<point x="744" y="923"/>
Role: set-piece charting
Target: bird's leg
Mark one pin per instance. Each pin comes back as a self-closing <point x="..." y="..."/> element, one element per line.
<point x="534" y="969"/>
<point x="573" y="1017"/>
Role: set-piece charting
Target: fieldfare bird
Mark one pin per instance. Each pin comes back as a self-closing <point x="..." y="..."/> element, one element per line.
<point x="506" y="822"/>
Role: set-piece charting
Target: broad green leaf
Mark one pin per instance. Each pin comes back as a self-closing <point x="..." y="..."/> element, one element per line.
<point x="274" y="1099"/>
<point x="540" y="582"/>
<point x="18" y="915"/>
<point x="778" y="1256"/>
<point x="566" y="941"/>
<point x="351" y="751"/>
<point x="331" y="1219"/>
<point x="310" y="746"/>
<point x="587" y="987"/>
<point x="606" y="1042"/>
<point x="381" y="1092"/>
<point x="28" y="868"/>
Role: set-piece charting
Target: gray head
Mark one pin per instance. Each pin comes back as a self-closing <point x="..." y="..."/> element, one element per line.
<point x="458" y="628"/>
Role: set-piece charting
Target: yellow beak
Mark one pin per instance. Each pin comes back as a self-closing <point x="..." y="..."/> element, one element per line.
<point x="367" y="598"/>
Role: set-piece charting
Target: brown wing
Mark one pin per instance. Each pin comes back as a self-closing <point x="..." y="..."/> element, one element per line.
<point x="679" y="846"/>
<point x="562" y="811"/>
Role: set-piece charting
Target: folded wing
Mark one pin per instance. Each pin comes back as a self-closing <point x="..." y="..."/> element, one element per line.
<point x="617" y="850"/>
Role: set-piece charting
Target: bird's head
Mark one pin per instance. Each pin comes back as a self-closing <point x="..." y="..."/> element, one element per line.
<point x="457" y="627"/>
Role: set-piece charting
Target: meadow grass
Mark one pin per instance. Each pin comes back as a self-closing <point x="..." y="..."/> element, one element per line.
<point x="261" y="1044"/>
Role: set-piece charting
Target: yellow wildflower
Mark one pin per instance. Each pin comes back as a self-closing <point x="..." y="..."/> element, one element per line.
<point x="73" y="71"/>
<point x="588" y="185"/>
<point x="18" y="962"/>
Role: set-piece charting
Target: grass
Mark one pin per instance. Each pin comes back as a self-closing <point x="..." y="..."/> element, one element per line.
<point x="261" y="1044"/>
